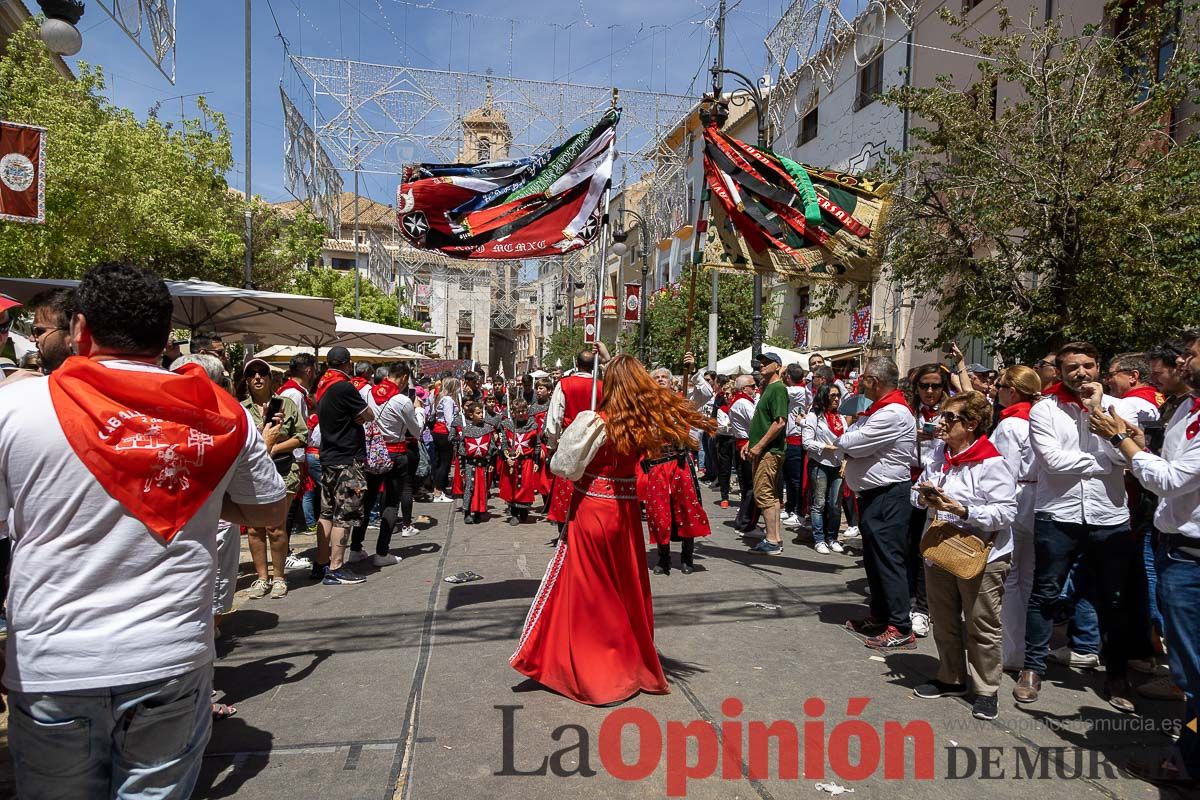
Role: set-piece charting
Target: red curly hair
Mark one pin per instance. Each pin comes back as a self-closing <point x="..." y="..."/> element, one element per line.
<point x="643" y="417"/>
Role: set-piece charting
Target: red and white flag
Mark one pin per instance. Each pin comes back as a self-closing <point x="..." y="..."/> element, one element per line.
<point x="633" y="302"/>
<point x="22" y="172"/>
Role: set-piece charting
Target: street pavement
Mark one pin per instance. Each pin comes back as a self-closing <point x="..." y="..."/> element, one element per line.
<point x="400" y="688"/>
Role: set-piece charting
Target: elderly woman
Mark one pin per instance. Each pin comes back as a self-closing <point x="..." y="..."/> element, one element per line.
<point x="1018" y="388"/>
<point x="930" y="387"/>
<point x="822" y="426"/>
<point x="968" y="485"/>
<point x="283" y="432"/>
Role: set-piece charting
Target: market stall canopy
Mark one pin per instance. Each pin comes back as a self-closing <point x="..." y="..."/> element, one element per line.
<point x="739" y="362"/>
<point x="376" y="336"/>
<point x="284" y="352"/>
<point x="202" y="306"/>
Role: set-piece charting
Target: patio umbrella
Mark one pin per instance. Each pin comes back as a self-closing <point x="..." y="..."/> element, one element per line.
<point x="376" y="336"/>
<point x="283" y="352"/>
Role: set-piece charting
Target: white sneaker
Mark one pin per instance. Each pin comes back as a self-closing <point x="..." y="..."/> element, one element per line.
<point x="355" y="556"/>
<point x="821" y="548"/>
<point x="260" y="588"/>
<point x="443" y="498"/>
<point x="837" y="547"/>
<point x="851" y="532"/>
<point x="385" y="561"/>
<point x="1065" y="655"/>
<point x="297" y="562"/>
<point x="920" y="623"/>
<point x="786" y="517"/>
<point x="408" y="531"/>
<point x="792" y="522"/>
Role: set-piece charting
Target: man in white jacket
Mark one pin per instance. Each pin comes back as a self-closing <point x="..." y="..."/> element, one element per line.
<point x="1080" y="507"/>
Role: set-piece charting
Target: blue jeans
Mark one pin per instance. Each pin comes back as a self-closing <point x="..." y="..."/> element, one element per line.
<point x="139" y="742"/>
<point x="793" y="479"/>
<point x="1148" y="557"/>
<point x="312" y="498"/>
<point x="1179" y="602"/>
<point x="1083" y="629"/>
<point x="826" y="508"/>
<point x="1109" y="553"/>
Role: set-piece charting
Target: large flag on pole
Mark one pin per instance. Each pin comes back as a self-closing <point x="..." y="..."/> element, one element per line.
<point x="774" y="214"/>
<point x="548" y="204"/>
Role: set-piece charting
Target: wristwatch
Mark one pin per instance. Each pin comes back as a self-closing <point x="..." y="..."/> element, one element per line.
<point x="1116" y="439"/>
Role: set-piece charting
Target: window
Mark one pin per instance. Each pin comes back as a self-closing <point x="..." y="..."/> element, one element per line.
<point x="870" y="83"/>
<point x="465" y="321"/>
<point x="483" y="149"/>
<point x="464" y="350"/>
<point x="342" y="263"/>
<point x="808" y="127"/>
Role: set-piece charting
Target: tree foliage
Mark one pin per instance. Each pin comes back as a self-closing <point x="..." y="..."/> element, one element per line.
<point x="1068" y="212"/>
<point x="562" y="345"/>
<point x="325" y="282"/>
<point x="118" y="189"/>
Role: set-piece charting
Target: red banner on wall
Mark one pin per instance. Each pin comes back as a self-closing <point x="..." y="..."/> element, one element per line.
<point x="22" y="173"/>
<point x="633" y="302"/>
<point x="591" y="331"/>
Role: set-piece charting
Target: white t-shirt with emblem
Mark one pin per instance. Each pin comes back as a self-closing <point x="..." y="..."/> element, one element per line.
<point x="94" y="599"/>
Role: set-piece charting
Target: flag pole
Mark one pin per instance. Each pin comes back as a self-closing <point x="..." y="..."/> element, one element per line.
<point x="601" y="269"/>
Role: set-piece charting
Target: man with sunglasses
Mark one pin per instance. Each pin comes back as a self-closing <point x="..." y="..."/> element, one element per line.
<point x="52" y="312"/>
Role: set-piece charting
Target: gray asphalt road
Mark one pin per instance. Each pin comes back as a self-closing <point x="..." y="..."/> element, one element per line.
<point x="400" y="688"/>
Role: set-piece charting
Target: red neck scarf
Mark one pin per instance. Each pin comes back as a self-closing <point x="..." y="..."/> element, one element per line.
<point x="1065" y="396"/>
<point x="1018" y="410"/>
<point x="836" y="424"/>
<point x="292" y="383"/>
<point x="1147" y="393"/>
<point x="894" y="397"/>
<point x="928" y="412"/>
<point x="158" y="442"/>
<point x="384" y="391"/>
<point x="739" y="395"/>
<point x="330" y="377"/>
<point x="358" y="383"/>
<point x="1191" y="430"/>
<point x="980" y="450"/>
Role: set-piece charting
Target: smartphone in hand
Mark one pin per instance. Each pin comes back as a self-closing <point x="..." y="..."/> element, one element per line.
<point x="274" y="406"/>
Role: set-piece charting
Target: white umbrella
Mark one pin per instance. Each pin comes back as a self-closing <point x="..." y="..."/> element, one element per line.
<point x="283" y="352"/>
<point x="740" y="362"/>
<point x="376" y="336"/>
<point x="247" y="314"/>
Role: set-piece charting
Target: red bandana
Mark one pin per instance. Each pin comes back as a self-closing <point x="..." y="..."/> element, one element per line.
<point x="330" y="377"/>
<point x="358" y="383"/>
<point x="158" y="442"/>
<point x="292" y="383"/>
<point x="384" y="391"/>
<point x="1018" y="410"/>
<point x="980" y="450"/>
<point x="1147" y="393"/>
<point x="1191" y="430"/>
<point x="1065" y="396"/>
<point x="928" y="412"/>
<point x="894" y="397"/>
<point x="835" y="422"/>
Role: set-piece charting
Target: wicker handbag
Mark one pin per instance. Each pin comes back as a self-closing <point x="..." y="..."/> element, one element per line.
<point x="948" y="546"/>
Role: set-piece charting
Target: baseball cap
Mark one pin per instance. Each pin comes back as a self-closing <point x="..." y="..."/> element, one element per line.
<point x="774" y="358"/>
<point x="253" y="362"/>
<point x="977" y="367"/>
<point x="338" y="355"/>
<point x="7" y="302"/>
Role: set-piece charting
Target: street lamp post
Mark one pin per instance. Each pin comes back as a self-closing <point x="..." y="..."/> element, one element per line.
<point x="620" y="248"/>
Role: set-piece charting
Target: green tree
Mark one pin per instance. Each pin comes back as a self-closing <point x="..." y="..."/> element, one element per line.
<point x="325" y="282"/>
<point x="1069" y="212"/>
<point x="562" y="346"/>
<point x="667" y="318"/>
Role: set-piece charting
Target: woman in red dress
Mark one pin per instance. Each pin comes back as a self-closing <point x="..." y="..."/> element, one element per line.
<point x="589" y="634"/>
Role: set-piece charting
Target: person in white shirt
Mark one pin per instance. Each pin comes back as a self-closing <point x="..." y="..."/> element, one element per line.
<point x="968" y="485"/>
<point x="401" y="422"/>
<point x="115" y="472"/>
<point x="822" y="426"/>
<point x="799" y="401"/>
<point x="1126" y="380"/>
<point x="1018" y="388"/>
<point x="1080" y="507"/>
<point x="1175" y="478"/>
<point x="741" y="411"/>
<point x="879" y="449"/>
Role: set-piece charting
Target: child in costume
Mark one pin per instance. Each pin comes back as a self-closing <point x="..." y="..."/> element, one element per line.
<point x="476" y="452"/>
<point x="520" y="466"/>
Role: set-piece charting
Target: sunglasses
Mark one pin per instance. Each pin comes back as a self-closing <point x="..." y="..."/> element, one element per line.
<point x="259" y="372"/>
<point x="949" y="418"/>
<point x="1003" y="385"/>
<point x="1041" y="362"/>
<point x="38" y="331"/>
<point x="929" y="387"/>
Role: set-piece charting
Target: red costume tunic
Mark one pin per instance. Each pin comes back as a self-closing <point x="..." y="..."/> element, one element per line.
<point x="668" y="487"/>
<point x="475" y="454"/>
<point x="589" y="634"/>
<point x="577" y="394"/>
<point x="518" y="482"/>
<point x="544" y="480"/>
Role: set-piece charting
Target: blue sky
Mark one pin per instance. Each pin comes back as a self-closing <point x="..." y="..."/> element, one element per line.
<point x="632" y="44"/>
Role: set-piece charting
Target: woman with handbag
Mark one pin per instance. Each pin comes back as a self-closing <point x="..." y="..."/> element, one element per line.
<point x="589" y="634"/>
<point x="971" y="500"/>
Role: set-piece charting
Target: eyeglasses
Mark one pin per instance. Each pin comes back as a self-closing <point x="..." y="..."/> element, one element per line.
<point x="1041" y="362"/>
<point x="929" y="387"/>
<point x="1114" y="373"/>
<point x="949" y="418"/>
<point x="262" y="373"/>
<point x="38" y="331"/>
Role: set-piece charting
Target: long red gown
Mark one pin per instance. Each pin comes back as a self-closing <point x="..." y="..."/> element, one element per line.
<point x="589" y="634"/>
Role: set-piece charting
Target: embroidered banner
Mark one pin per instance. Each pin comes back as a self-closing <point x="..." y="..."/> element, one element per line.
<point x="633" y="303"/>
<point x="22" y="173"/>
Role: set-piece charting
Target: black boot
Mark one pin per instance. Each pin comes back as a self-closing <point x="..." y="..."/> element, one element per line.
<point x="689" y="548"/>
<point x="663" y="567"/>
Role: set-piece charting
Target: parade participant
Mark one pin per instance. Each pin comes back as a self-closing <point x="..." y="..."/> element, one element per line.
<point x="822" y="426"/>
<point x="110" y="623"/>
<point x="794" y="461"/>
<point x="589" y="634"/>
<point x="1080" y="508"/>
<point x="879" y="447"/>
<point x="968" y="485"/>
<point x="283" y="433"/>
<point x="1175" y="478"/>
<point x="543" y="388"/>
<point x="476" y="454"/>
<point x="572" y="395"/>
<point x="767" y="447"/>
<point x="447" y="419"/>
<point x="341" y="413"/>
<point x="362" y="376"/>
<point x="741" y="411"/>
<point x="1126" y="380"/>
<point x="521" y="461"/>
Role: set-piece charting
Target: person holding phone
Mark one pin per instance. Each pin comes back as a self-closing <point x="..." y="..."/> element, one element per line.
<point x="968" y="485"/>
<point x="283" y="430"/>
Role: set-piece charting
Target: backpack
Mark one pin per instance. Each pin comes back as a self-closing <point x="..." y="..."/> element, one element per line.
<point x="379" y="460"/>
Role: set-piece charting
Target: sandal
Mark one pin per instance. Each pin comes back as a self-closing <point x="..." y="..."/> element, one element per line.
<point x="223" y="711"/>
